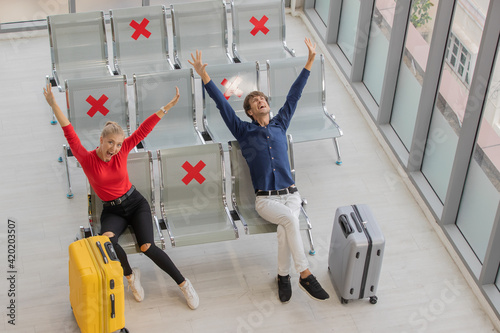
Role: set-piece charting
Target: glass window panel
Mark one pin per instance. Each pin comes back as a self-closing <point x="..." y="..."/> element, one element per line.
<point x="412" y="70"/>
<point x="322" y="7"/>
<point x="478" y="207"/>
<point x="482" y="188"/>
<point x="439" y="153"/>
<point x="378" y="46"/>
<point x="31" y="10"/>
<point x="405" y="106"/>
<point x="451" y="102"/>
<point x="348" y="27"/>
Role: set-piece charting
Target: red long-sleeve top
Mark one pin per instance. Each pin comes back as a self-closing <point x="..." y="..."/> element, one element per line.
<point x="108" y="179"/>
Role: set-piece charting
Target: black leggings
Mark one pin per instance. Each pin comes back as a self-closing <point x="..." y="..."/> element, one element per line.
<point x="135" y="211"/>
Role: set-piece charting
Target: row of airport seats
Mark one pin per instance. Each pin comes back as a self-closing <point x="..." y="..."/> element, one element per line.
<point x="193" y="202"/>
<point x="96" y="93"/>
<point x="140" y="43"/>
<point x="140" y="40"/>
<point x="94" y="101"/>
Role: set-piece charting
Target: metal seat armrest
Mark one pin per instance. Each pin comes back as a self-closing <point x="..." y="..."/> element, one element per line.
<point x="233" y="224"/>
<point x="160" y="233"/>
<point x="162" y="203"/>
<point x="291" y="156"/>
<point x="289" y="50"/>
<point x="242" y="220"/>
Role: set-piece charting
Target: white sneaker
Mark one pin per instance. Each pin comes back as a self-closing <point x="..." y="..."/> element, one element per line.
<point x="191" y="296"/>
<point x="134" y="284"/>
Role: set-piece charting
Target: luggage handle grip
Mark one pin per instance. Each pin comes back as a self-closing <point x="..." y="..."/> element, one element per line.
<point x="111" y="251"/>
<point x="345" y="226"/>
<point x="102" y="252"/>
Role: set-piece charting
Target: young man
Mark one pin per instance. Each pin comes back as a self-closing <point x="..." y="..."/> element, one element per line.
<point x="264" y="145"/>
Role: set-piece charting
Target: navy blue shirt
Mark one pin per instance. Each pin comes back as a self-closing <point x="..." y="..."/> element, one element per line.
<point x="265" y="148"/>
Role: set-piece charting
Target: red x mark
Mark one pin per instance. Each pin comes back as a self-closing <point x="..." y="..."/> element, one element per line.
<point x="140" y="29"/>
<point x="232" y="87"/>
<point x="193" y="172"/>
<point x="259" y="25"/>
<point x="97" y="105"/>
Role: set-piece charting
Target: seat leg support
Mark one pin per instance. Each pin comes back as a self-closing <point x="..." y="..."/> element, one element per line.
<point x="69" y="195"/>
<point x="52" y="83"/>
<point x="54" y="120"/>
<point x="311" y="243"/>
<point x="337" y="148"/>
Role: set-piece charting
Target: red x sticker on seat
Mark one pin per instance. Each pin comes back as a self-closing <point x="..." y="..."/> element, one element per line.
<point x="232" y="87"/>
<point x="193" y="172"/>
<point x="259" y="25"/>
<point x="140" y="29"/>
<point x="97" y="105"/>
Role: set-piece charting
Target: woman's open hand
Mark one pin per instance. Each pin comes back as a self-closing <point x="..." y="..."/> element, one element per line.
<point x="173" y="101"/>
<point x="49" y="96"/>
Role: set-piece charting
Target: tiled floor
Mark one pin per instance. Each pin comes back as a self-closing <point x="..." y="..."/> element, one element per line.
<point x="421" y="288"/>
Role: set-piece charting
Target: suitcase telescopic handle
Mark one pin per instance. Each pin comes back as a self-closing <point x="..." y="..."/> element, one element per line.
<point x="361" y="224"/>
<point x="356" y="222"/>
<point x="102" y="252"/>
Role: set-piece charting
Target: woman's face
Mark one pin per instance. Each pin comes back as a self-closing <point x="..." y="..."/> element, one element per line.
<point x="110" y="145"/>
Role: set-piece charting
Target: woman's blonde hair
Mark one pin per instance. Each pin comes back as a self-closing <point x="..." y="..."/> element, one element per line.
<point x="112" y="127"/>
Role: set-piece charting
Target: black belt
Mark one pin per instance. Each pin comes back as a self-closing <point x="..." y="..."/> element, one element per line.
<point x="288" y="190"/>
<point x="120" y="199"/>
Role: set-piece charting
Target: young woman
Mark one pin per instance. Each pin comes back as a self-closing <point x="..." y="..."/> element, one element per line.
<point x="106" y="170"/>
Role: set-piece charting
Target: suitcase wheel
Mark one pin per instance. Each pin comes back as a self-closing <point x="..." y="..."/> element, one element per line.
<point x="124" y="330"/>
<point x="373" y="299"/>
<point x="343" y="300"/>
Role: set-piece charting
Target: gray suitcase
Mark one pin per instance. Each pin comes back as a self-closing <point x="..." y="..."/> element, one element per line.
<point x="356" y="251"/>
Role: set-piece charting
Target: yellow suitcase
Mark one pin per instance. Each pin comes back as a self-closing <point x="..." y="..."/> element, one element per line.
<point x="96" y="290"/>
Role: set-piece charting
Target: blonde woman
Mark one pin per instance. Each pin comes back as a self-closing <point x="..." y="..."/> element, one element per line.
<point x="106" y="170"/>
